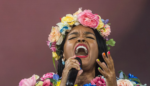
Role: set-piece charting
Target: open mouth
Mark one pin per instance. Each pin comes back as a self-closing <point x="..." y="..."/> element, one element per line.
<point x="81" y="51"/>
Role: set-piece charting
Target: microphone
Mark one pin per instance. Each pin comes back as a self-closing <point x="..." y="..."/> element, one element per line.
<point x="72" y="75"/>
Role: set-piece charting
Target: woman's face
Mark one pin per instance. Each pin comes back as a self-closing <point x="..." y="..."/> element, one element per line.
<point x="81" y="41"/>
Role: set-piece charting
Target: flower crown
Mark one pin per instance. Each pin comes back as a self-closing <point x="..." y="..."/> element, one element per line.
<point x="85" y="18"/>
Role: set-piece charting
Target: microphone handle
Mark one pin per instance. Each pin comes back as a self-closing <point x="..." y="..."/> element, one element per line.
<point x="72" y="75"/>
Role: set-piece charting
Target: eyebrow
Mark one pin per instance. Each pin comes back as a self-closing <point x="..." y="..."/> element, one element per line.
<point x="89" y="33"/>
<point x="74" y="33"/>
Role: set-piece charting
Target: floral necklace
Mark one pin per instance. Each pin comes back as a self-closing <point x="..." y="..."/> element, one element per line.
<point x="53" y="79"/>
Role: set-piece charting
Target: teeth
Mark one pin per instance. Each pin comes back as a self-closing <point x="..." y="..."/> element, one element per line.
<point x="81" y="47"/>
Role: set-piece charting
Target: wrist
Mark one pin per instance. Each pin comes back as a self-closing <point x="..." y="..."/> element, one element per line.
<point x="64" y="77"/>
<point x="65" y="72"/>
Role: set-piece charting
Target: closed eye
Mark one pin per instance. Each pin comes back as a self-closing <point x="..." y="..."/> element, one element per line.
<point x="72" y="38"/>
<point x="90" y="38"/>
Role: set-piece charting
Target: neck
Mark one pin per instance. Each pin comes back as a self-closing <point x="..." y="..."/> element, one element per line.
<point x="86" y="77"/>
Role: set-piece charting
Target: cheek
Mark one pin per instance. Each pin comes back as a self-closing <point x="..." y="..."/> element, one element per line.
<point x="94" y="50"/>
<point x="68" y="49"/>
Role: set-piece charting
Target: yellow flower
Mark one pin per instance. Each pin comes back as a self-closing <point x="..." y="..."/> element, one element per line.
<point x="58" y="83"/>
<point x="70" y="19"/>
<point x="40" y="83"/>
<point x="54" y="54"/>
<point x="100" y="25"/>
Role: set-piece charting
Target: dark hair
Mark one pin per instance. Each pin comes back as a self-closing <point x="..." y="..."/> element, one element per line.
<point x="101" y="47"/>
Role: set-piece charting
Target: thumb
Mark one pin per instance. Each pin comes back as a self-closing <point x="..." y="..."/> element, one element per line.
<point x="80" y="72"/>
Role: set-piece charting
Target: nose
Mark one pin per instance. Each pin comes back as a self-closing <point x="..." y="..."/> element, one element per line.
<point x="81" y="40"/>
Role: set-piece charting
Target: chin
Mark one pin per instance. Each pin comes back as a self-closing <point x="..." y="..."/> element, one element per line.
<point x="85" y="64"/>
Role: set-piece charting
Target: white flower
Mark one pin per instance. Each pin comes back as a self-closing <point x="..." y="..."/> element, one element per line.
<point x="79" y="11"/>
<point x="124" y="82"/>
<point x="60" y="40"/>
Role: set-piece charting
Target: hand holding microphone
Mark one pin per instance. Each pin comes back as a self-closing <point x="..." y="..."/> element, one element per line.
<point x="70" y="63"/>
<point x="72" y="75"/>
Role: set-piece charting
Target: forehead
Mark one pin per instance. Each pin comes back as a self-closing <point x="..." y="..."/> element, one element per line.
<point x="81" y="29"/>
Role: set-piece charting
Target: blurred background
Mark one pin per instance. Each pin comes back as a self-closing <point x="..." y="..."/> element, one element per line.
<point x="26" y="24"/>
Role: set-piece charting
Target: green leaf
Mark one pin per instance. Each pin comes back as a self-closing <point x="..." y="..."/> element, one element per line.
<point x="135" y="79"/>
<point x="109" y="23"/>
<point x="108" y="48"/>
<point x="58" y="47"/>
<point x="54" y="63"/>
<point x="50" y="44"/>
<point x="111" y="42"/>
<point x="58" y="52"/>
<point x="63" y="36"/>
<point x="53" y="81"/>
<point x="124" y="75"/>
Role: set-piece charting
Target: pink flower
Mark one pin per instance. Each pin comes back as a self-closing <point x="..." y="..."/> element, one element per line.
<point x="54" y="35"/>
<point x="53" y="49"/>
<point x="87" y="18"/>
<point x="47" y="75"/>
<point x="53" y="46"/>
<point x="28" y="82"/>
<point x="47" y="82"/>
<point x="105" y="32"/>
<point x="48" y="43"/>
<point x="98" y="81"/>
<point x="124" y="82"/>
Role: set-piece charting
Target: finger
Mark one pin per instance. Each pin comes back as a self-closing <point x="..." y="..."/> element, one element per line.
<point x="102" y="65"/>
<point x="72" y="65"/>
<point x="73" y="56"/>
<point x="109" y="56"/>
<point x="80" y="72"/>
<point x="71" y="59"/>
<point x="106" y="59"/>
<point x="75" y="65"/>
<point x="75" y="61"/>
<point x="102" y="72"/>
<point x="111" y="60"/>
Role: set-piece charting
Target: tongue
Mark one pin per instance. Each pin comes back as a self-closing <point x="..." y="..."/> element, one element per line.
<point x="81" y="52"/>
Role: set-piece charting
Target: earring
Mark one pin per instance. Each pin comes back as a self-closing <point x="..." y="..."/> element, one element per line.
<point x="63" y="62"/>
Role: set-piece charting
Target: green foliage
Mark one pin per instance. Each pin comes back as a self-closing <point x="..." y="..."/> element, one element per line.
<point x="136" y="80"/>
<point x="58" y="52"/>
<point x="124" y="75"/>
<point x="54" y="63"/>
<point x="108" y="48"/>
<point x="53" y="81"/>
<point x="109" y="23"/>
<point x="50" y="44"/>
<point x="111" y="42"/>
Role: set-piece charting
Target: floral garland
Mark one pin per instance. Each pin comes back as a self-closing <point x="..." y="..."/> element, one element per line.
<point x="52" y="79"/>
<point x="85" y="18"/>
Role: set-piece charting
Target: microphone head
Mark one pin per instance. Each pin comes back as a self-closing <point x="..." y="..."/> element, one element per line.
<point x="79" y="60"/>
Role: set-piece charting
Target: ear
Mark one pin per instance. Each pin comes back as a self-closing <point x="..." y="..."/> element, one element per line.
<point x="63" y="56"/>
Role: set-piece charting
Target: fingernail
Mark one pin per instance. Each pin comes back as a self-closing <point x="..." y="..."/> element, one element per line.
<point x="99" y="68"/>
<point x="79" y="64"/>
<point x="98" y="60"/>
<point x="108" y="52"/>
<point x="80" y="68"/>
<point x="103" y="54"/>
